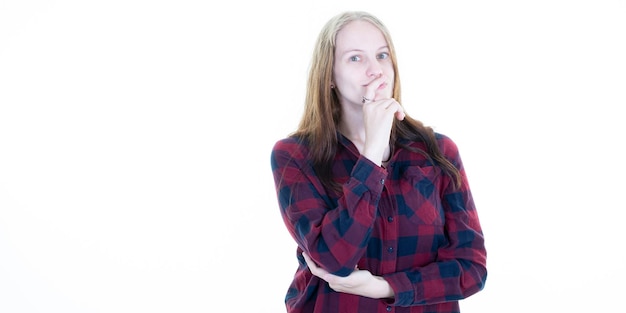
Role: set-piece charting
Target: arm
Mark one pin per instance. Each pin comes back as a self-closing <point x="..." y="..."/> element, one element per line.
<point x="333" y="233"/>
<point x="460" y="268"/>
<point x="359" y="282"/>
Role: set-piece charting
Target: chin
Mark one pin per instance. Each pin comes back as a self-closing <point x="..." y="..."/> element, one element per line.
<point x="385" y="96"/>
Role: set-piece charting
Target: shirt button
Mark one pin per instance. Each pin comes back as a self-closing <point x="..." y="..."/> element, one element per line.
<point x="382" y="181"/>
<point x="388" y="309"/>
<point x="390" y="219"/>
<point x="390" y="249"/>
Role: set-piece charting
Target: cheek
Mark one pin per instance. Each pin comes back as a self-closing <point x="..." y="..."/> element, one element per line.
<point x="391" y="75"/>
<point x="388" y="70"/>
<point x="343" y="81"/>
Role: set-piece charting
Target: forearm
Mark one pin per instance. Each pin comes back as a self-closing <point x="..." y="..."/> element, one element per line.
<point x="437" y="282"/>
<point x="359" y="282"/>
<point x="345" y="227"/>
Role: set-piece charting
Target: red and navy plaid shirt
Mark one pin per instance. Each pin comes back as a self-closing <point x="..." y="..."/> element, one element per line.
<point x="405" y="222"/>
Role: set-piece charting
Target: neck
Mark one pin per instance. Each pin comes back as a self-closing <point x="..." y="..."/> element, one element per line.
<point x="354" y="130"/>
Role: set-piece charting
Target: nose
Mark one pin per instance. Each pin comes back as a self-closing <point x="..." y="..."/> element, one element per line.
<point x="374" y="69"/>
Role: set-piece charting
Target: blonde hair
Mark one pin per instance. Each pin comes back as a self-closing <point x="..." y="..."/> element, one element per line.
<point x="321" y="107"/>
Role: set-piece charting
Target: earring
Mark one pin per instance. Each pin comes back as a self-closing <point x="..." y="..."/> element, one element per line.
<point x="332" y="86"/>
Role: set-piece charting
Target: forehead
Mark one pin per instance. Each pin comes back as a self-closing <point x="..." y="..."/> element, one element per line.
<point x="359" y="35"/>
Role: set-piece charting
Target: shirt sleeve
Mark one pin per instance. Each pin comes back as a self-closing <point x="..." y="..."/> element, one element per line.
<point x="333" y="233"/>
<point x="460" y="269"/>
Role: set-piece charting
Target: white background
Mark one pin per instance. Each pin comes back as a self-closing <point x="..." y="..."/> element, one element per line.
<point x="135" y="140"/>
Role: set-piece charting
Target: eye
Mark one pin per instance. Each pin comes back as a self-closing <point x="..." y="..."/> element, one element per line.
<point x="355" y="58"/>
<point x="383" y="56"/>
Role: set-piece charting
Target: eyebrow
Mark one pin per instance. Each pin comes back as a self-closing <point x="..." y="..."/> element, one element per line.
<point x="359" y="50"/>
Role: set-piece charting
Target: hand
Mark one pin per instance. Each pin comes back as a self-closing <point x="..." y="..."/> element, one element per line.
<point x="378" y="115"/>
<point x="381" y="84"/>
<point x="359" y="282"/>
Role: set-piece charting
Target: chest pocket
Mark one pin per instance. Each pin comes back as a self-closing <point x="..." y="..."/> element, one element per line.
<point x="420" y="200"/>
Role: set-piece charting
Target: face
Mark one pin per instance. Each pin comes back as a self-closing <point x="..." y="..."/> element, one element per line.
<point x="363" y="64"/>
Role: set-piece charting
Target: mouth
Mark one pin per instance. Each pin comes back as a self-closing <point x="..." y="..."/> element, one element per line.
<point x="381" y="86"/>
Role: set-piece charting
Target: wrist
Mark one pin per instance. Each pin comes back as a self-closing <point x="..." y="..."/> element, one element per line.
<point x="384" y="288"/>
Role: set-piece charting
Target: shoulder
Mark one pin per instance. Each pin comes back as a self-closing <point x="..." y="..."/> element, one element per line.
<point x="447" y="146"/>
<point x="289" y="144"/>
<point x="444" y="141"/>
<point x="290" y="148"/>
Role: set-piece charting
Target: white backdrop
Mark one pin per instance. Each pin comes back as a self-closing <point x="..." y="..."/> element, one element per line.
<point x="135" y="140"/>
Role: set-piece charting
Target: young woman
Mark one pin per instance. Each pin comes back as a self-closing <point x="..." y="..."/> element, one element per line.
<point x="378" y="204"/>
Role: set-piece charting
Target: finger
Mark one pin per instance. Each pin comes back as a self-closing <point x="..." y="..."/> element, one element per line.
<point x="315" y="270"/>
<point x="400" y="115"/>
<point x="308" y="261"/>
<point x="398" y="110"/>
<point x="371" y="87"/>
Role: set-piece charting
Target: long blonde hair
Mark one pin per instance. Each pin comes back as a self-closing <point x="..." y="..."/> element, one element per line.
<point x="322" y="109"/>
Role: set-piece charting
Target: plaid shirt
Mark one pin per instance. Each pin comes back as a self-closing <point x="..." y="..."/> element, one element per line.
<point x="404" y="222"/>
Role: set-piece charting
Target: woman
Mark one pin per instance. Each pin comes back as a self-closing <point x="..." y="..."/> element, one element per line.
<point x="378" y="204"/>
